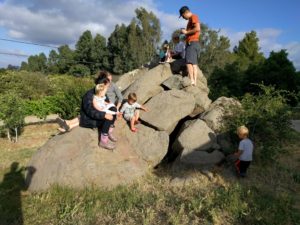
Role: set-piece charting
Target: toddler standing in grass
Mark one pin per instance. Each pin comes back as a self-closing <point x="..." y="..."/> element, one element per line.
<point x="244" y="152"/>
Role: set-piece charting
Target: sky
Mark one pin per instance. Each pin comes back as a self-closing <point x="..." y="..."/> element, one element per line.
<point x="59" y="22"/>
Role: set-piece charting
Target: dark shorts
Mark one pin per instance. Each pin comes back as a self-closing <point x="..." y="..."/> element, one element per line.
<point x="192" y="52"/>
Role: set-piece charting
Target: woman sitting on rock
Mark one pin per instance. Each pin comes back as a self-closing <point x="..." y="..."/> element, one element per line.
<point x="90" y="117"/>
<point x="114" y="96"/>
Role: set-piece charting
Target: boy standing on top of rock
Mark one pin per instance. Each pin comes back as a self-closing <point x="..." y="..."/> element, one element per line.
<point x="192" y="33"/>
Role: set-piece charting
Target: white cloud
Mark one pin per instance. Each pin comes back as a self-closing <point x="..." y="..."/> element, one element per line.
<point x="268" y="41"/>
<point x="63" y="21"/>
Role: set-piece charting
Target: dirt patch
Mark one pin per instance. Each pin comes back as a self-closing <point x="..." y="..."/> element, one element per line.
<point x="33" y="136"/>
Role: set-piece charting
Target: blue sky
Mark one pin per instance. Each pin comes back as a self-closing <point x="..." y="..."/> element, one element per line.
<point x="60" y="22"/>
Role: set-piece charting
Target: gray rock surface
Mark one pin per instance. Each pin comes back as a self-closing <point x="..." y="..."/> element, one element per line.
<point x="217" y="110"/>
<point x="74" y="159"/>
<point x="202" y="100"/>
<point x="195" y="135"/>
<point x="148" y="85"/>
<point x="167" y="109"/>
<point x="128" y="78"/>
<point x="201" y="158"/>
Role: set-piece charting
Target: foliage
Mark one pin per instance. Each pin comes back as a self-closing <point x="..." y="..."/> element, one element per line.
<point x="229" y="81"/>
<point x="12" y="112"/>
<point x="215" y="51"/>
<point x="28" y="85"/>
<point x="247" y="52"/>
<point x="267" y="116"/>
<point x="35" y="63"/>
<point x="79" y="70"/>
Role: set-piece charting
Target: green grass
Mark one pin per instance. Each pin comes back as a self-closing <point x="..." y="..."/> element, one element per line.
<point x="267" y="196"/>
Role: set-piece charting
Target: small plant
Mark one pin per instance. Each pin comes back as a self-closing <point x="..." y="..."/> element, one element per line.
<point x="12" y="113"/>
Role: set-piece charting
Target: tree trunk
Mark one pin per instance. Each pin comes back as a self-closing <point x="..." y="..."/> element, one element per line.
<point x="16" y="131"/>
<point x="8" y="135"/>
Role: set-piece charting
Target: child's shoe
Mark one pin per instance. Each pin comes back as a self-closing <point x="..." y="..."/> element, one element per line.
<point x="111" y="136"/>
<point x="104" y="143"/>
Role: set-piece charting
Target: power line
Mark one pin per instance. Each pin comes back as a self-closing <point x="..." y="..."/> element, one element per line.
<point x="68" y="60"/>
<point x="14" y="54"/>
<point x="28" y="43"/>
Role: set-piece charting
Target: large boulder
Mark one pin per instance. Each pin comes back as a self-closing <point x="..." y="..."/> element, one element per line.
<point x="128" y="78"/>
<point x="167" y="109"/>
<point x="177" y="82"/>
<point x="195" y="135"/>
<point x="202" y="100"/>
<point x="75" y="160"/>
<point x="217" y="110"/>
<point x="179" y="67"/>
<point x="148" y="85"/>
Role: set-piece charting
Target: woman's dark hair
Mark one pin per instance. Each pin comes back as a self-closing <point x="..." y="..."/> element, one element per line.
<point x="101" y="77"/>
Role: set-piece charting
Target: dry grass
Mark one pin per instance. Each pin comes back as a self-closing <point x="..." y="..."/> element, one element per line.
<point x="268" y="196"/>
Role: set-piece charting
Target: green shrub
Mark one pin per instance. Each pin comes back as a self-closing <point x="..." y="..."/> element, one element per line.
<point x="267" y="116"/>
<point x="28" y="85"/>
<point x="12" y="112"/>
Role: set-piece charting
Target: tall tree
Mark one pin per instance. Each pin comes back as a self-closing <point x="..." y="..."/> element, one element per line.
<point x="52" y="63"/>
<point x="37" y="63"/>
<point x="248" y="51"/>
<point x="277" y="70"/>
<point x="65" y="59"/>
<point x="118" y="48"/>
<point x="215" y="50"/>
<point x="99" y="53"/>
<point x="150" y="32"/>
<point x="84" y="49"/>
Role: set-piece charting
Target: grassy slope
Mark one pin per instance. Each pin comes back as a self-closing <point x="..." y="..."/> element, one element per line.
<point x="270" y="195"/>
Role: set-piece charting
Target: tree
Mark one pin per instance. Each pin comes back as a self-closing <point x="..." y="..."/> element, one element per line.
<point x="117" y="46"/>
<point x="247" y="52"/>
<point x="52" y="63"/>
<point x="229" y="82"/>
<point x="12" y="113"/>
<point x="37" y="63"/>
<point x="84" y="49"/>
<point x="278" y="71"/>
<point x="150" y="34"/>
<point x="79" y="70"/>
<point x="24" y="66"/>
<point x="134" y="45"/>
<point x="215" y="51"/>
<point x="65" y="59"/>
<point x="99" y="53"/>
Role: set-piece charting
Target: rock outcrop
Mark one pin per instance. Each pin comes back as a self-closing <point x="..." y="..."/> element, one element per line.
<point x="74" y="159"/>
<point x="148" y="85"/>
<point x="217" y="110"/>
<point x="167" y="108"/>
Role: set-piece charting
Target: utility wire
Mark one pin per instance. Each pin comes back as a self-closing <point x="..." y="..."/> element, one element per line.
<point x="28" y="43"/>
<point x="38" y="44"/>
<point x="14" y="54"/>
<point x="69" y="60"/>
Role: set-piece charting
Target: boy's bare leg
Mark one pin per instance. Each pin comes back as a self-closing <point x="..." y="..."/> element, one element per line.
<point x="132" y="123"/>
<point x="137" y="115"/>
<point x="190" y="69"/>
<point x="195" y="73"/>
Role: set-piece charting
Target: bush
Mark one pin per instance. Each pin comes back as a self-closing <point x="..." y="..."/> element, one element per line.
<point x="267" y="116"/>
<point x="12" y="112"/>
<point x="79" y="70"/>
<point x="67" y="98"/>
<point x="28" y="85"/>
